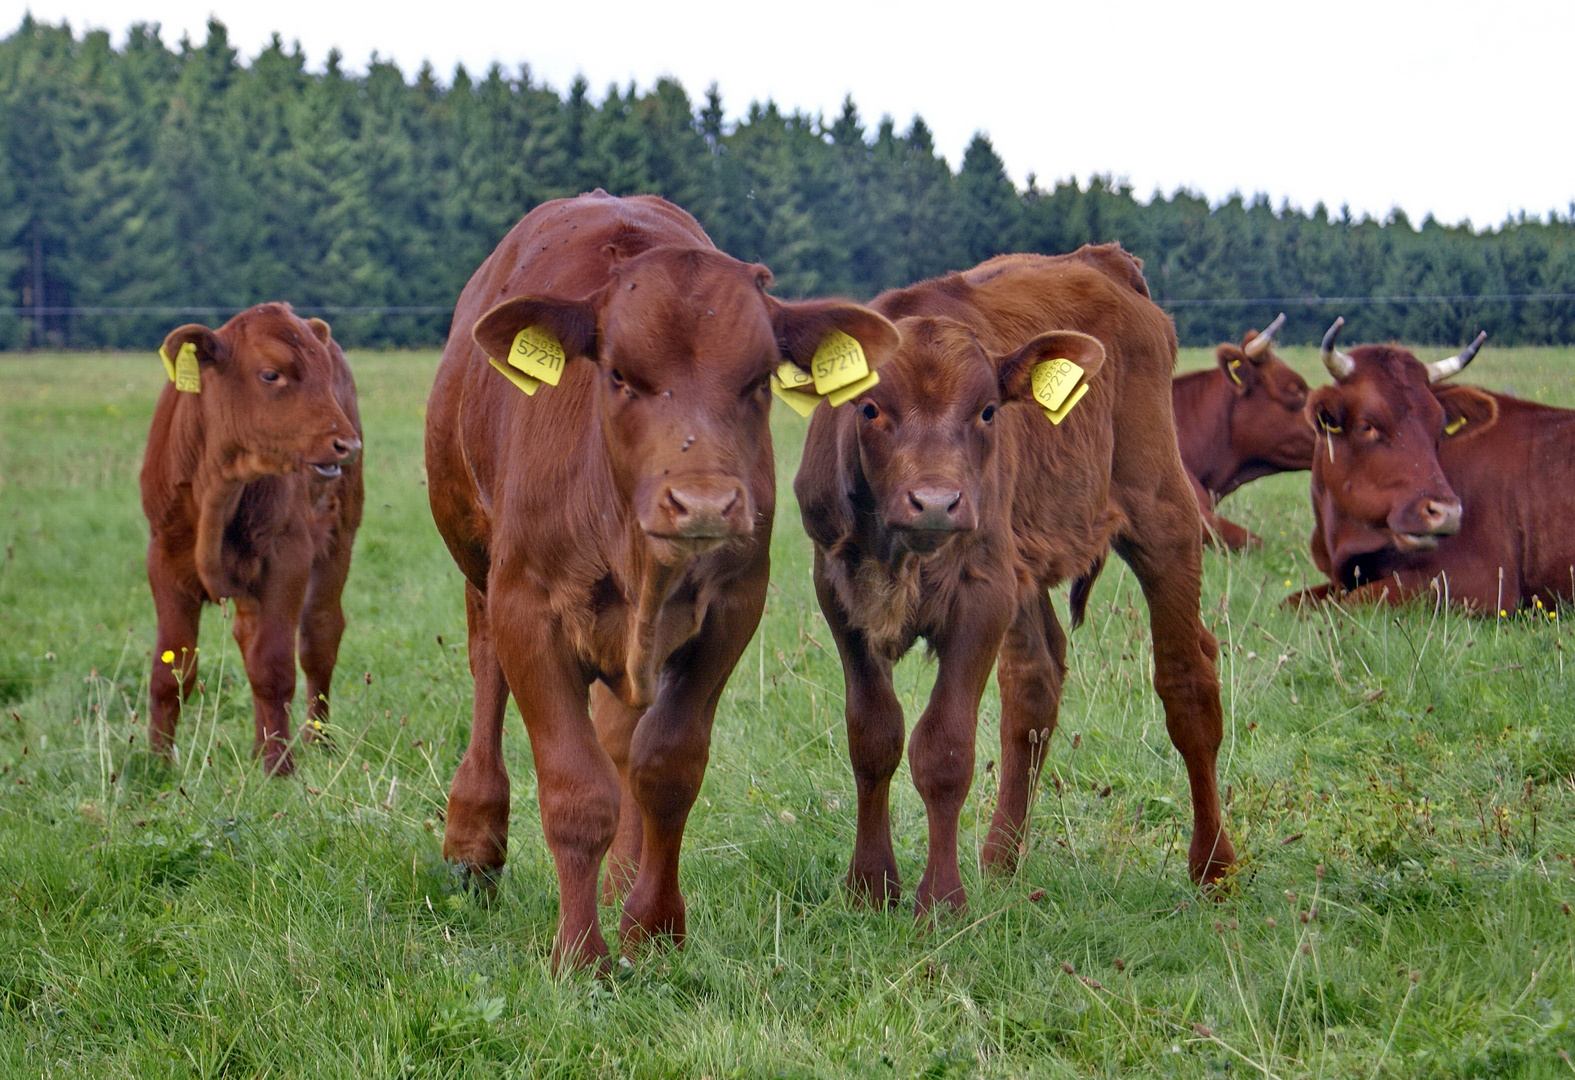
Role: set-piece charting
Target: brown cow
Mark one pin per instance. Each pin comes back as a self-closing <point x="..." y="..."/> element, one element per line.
<point x="613" y="530"/>
<point x="252" y="489"/>
<point x="1237" y="422"/>
<point x="1418" y="484"/>
<point x="945" y="506"/>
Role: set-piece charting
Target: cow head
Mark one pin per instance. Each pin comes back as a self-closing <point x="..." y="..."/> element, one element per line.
<point x="271" y="392"/>
<point x="1377" y="484"/>
<point x="684" y="341"/>
<point x="1266" y="425"/>
<point x="927" y="433"/>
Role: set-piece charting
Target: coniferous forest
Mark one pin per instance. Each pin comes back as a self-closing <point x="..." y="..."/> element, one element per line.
<point x="188" y="177"/>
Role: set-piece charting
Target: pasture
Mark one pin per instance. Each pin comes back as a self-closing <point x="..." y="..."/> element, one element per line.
<point x="1401" y="791"/>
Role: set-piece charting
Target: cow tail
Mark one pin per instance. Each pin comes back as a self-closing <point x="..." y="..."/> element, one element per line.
<point x="1082" y="587"/>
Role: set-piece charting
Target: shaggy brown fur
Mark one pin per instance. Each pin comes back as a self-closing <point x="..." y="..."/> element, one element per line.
<point x="613" y="531"/>
<point x="1418" y="487"/>
<point x="944" y="505"/>
<point x="252" y="489"/>
<point x="1235" y="430"/>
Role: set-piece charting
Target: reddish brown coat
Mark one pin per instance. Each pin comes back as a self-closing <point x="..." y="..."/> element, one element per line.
<point x="613" y="531"/>
<point x="945" y="506"/>
<point x="1235" y="423"/>
<point x="252" y="490"/>
<point x="1417" y="486"/>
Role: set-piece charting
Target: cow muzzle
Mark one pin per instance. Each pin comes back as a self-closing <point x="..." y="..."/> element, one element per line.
<point x="341" y="451"/>
<point x="1427" y="522"/>
<point x="929" y="516"/>
<point x="695" y="515"/>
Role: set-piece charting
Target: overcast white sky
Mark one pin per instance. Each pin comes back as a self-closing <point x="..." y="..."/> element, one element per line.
<point x="1461" y="109"/>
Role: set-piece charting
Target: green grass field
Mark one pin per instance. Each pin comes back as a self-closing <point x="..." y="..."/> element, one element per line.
<point x="202" y="920"/>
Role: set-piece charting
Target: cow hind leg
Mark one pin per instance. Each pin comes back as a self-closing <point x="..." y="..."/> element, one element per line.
<point x="1031" y="670"/>
<point x="615" y="723"/>
<point x="171" y="680"/>
<point x="1161" y="544"/>
<point x="476" y="825"/>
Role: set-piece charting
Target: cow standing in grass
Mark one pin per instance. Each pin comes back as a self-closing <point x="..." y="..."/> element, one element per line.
<point x="251" y="483"/>
<point x="1420" y="485"/>
<point x="1237" y="422"/>
<point x="945" y="505"/>
<point x="613" y="530"/>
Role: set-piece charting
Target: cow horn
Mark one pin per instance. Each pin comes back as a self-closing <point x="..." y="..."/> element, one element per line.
<point x="1340" y="364"/>
<point x="1443" y="369"/>
<point x="1260" y="344"/>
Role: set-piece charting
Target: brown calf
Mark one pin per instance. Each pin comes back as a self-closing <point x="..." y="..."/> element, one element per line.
<point x="945" y="505"/>
<point x="1418" y="484"/>
<point x="1237" y="422"/>
<point x="252" y="489"/>
<point x="613" y="530"/>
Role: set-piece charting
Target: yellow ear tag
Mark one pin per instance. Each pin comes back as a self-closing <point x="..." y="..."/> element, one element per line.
<point x="793" y="377"/>
<point x="1058" y="415"/>
<point x="853" y="389"/>
<point x="838" y="362"/>
<point x="524" y="382"/>
<point x="1053" y="383"/>
<point x="1454" y="425"/>
<point x="802" y="402"/>
<point x="1231" y="371"/>
<point x="169" y="365"/>
<point x="187" y="378"/>
<point x="538" y="354"/>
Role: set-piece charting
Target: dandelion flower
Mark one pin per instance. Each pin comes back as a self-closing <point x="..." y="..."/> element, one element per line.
<point x="169" y="656"/>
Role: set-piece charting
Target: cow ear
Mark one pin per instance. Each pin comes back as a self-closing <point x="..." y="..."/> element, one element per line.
<point x="211" y="350"/>
<point x="800" y="328"/>
<point x="571" y="322"/>
<point x="321" y="330"/>
<point x="1467" y="410"/>
<point x="1016" y="370"/>
<point x="1325" y="410"/>
<point x="1240" y="369"/>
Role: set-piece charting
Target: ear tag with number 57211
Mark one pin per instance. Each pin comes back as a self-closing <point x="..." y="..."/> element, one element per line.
<point x="538" y="354"/>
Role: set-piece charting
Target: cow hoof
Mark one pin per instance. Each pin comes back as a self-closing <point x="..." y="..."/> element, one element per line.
<point x="279" y="765"/>
<point x="479" y="881"/>
<point x="1000" y="854"/>
<point x="929" y="908"/>
<point x="874" y="889"/>
<point x="316" y="734"/>
<point x="1212" y="867"/>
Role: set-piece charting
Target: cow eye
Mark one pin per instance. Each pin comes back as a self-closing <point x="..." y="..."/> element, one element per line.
<point x="988" y="415"/>
<point x="270" y="376"/>
<point x="869" y="410"/>
<point x="619" y="383"/>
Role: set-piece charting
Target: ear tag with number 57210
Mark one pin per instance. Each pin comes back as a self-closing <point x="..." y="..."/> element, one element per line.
<point x="1056" y="387"/>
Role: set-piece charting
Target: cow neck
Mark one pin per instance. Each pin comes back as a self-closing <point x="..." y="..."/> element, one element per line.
<point x="1206" y="449"/>
<point x="222" y="472"/>
<point x="646" y="582"/>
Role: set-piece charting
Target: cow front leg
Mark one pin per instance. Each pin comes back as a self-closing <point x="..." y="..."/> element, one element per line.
<point x="615" y="723"/>
<point x="669" y="752"/>
<point x="322" y="627"/>
<point x="1162" y="549"/>
<point x="174" y="671"/>
<point x="873" y="717"/>
<point x="476" y="823"/>
<point x="941" y="749"/>
<point x="1031" y="671"/>
<point x="267" y="645"/>
<point x="576" y="783"/>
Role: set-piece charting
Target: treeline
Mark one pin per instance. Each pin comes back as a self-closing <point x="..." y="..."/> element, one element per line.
<point x="149" y="175"/>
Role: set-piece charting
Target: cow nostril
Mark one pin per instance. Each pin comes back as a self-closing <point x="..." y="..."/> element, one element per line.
<point x="914" y="502"/>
